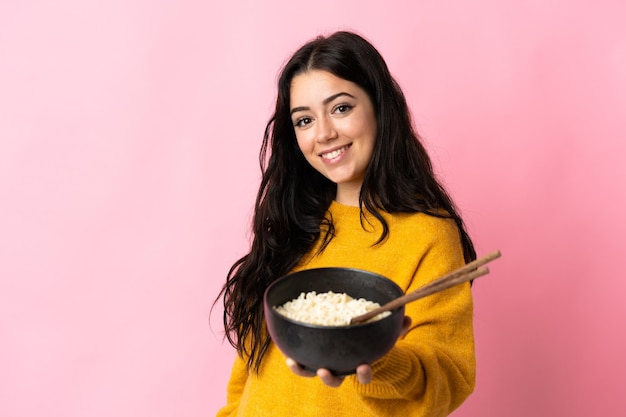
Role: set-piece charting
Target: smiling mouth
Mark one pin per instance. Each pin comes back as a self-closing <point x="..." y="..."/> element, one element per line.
<point x="334" y="154"/>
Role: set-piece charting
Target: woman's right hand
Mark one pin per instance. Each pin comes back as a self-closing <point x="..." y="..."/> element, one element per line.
<point x="363" y="374"/>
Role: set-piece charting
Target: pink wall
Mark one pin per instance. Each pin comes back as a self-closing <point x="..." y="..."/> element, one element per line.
<point x="128" y="139"/>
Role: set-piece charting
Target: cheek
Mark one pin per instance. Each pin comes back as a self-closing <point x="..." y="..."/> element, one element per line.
<point x="369" y="134"/>
<point x="365" y="125"/>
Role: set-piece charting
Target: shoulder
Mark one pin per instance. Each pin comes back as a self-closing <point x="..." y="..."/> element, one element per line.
<point x="422" y="223"/>
<point x="423" y="233"/>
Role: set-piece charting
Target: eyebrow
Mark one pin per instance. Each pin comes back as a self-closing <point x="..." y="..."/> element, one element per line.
<point x="326" y="101"/>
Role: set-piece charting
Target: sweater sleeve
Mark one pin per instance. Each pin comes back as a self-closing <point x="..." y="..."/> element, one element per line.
<point x="234" y="389"/>
<point x="431" y="370"/>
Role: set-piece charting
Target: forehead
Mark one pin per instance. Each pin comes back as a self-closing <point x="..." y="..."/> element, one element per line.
<point x="317" y="85"/>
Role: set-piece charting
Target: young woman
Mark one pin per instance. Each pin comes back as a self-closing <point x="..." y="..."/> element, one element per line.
<point x="347" y="183"/>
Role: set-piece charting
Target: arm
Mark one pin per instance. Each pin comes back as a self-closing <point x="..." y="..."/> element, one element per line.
<point x="433" y="366"/>
<point x="431" y="369"/>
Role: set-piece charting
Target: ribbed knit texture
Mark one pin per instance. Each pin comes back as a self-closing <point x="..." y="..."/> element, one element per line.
<point x="429" y="372"/>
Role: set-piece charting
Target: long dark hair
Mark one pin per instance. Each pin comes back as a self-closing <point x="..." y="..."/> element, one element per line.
<point x="293" y="198"/>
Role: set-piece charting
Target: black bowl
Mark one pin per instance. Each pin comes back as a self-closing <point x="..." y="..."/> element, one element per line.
<point x="339" y="349"/>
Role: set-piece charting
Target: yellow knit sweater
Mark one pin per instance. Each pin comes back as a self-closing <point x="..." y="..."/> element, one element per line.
<point x="429" y="372"/>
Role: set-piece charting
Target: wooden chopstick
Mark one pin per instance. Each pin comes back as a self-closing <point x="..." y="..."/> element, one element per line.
<point x="466" y="273"/>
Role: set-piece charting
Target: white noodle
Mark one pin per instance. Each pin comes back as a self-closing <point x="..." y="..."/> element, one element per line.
<point x="327" y="309"/>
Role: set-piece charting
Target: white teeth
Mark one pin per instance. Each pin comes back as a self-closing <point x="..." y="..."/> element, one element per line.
<point x="334" y="154"/>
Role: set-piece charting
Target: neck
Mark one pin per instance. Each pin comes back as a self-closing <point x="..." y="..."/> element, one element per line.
<point x="348" y="194"/>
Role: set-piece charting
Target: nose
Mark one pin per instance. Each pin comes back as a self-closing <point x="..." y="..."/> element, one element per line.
<point x="325" y="130"/>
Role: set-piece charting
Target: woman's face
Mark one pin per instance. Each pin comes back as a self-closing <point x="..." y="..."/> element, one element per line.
<point x="335" y="125"/>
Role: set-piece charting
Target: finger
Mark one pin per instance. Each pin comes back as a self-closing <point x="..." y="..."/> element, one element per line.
<point x="297" y="369"/>
<point x="364" y="373"/>
<point x="329" y="379"/>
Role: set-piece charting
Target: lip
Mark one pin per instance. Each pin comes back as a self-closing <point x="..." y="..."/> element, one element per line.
<point x="341" y="149"/>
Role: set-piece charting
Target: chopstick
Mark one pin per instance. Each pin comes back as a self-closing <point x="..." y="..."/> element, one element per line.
<point x="466" y="273"/>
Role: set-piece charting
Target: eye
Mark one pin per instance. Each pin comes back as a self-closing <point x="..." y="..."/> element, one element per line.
<point x="342" y="108"/>
<point x="302" y="122"/>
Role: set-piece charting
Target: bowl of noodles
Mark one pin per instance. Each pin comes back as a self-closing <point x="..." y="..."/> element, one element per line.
<point x="308" y="317"/>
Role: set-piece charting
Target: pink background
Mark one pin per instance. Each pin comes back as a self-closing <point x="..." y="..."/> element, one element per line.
<point x="129" y="133"/>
